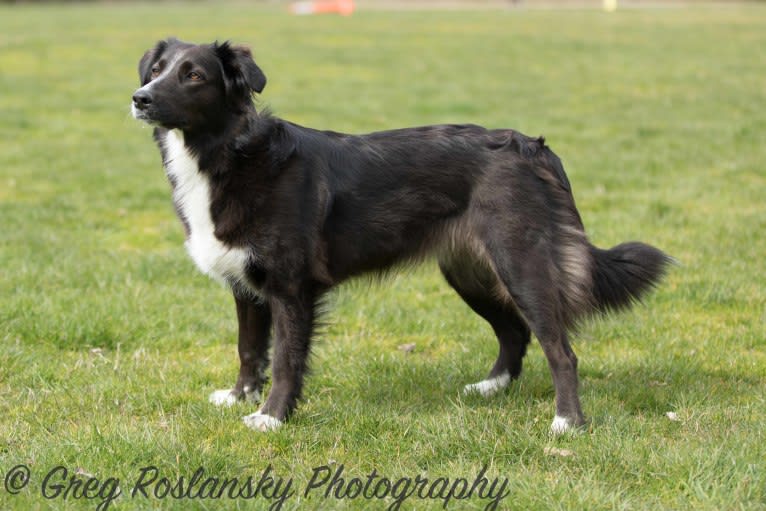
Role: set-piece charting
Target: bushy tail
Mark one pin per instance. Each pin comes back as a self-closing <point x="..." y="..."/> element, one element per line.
<point x="623" y="274"/>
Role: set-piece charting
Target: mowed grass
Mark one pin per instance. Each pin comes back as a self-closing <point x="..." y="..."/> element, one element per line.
<point x="110" y="341"/>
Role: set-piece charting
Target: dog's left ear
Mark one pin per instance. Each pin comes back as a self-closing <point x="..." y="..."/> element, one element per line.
<point x="241" y="74"/>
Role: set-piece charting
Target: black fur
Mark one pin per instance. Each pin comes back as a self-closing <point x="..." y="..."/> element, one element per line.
<point x="313" y="208"/>
<point x="624" y="273"/>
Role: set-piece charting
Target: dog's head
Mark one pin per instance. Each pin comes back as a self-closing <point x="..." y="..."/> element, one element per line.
<point x="193" y="87"/>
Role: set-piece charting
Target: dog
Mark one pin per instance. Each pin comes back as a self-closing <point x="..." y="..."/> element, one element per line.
<point x="282" y="213"/>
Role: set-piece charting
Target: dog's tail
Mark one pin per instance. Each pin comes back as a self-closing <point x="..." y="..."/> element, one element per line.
<point x="625" y="273"/>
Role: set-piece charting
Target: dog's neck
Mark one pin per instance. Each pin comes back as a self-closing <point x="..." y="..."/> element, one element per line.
<point x="246" y="141"/>
<point x="210" y="145"/>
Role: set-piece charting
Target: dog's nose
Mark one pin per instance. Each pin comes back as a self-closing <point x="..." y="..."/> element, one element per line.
<point x="142" y="99"/>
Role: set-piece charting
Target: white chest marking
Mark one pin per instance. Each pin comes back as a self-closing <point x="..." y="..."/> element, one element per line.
<point x="192" y="195"/>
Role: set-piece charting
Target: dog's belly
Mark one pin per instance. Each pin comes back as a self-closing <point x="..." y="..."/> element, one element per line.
<point x="191" y="193"/>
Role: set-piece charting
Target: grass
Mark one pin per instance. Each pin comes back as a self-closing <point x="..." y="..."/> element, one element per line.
<point x="110" y="341"/>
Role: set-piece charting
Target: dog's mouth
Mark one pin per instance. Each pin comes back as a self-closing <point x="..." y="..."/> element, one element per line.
<point x="142" y="114"/>
<point x="139" y="114"/>
<point x="150" y="116"/>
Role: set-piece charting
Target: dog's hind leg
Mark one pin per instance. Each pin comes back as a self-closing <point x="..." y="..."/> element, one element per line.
<point x="477" y="285"/>
<point x="527" y="269"/>
<point x="254" y="320"/>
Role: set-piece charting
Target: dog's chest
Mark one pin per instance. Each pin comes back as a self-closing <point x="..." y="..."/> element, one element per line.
<point x="191" y="193"/>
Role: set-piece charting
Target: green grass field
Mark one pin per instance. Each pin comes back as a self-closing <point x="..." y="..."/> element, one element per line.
<point x="110" y="341"/>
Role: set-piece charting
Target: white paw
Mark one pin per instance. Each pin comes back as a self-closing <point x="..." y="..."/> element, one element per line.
<point x="222" y="398"/>
<point x="225" y="397"/>
<point x="561" y="425"/>
<point x="261" y="422"/>
<point x="488" y="387"/>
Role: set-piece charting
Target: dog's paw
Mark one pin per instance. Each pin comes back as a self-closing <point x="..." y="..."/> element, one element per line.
<point x="490" y="386"/>
<point x="223" y="397"/>
<point x="261" y="422"/>
<point x="228" y="397"/>
<point x="562" y="425"/>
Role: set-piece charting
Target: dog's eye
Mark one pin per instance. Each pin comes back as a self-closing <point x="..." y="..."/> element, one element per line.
<point x="194" y="76"/>
<point x="155" y="71"/>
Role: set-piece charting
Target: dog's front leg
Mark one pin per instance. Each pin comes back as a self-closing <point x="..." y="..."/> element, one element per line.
<point x="293" y="316"/>
<point x="254" y="318"/>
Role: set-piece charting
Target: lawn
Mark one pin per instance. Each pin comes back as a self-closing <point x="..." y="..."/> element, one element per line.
<point x="110" y="341"/>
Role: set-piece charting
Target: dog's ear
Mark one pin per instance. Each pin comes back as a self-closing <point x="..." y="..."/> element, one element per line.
<point x="241" y="74"/>
<point x="149" y="58"/>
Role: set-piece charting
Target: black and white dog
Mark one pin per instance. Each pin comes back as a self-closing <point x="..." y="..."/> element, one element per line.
<point x="282" y="213"/>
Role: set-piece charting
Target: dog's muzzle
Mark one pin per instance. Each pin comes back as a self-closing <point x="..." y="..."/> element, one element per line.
<point x="142" y="99"/>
